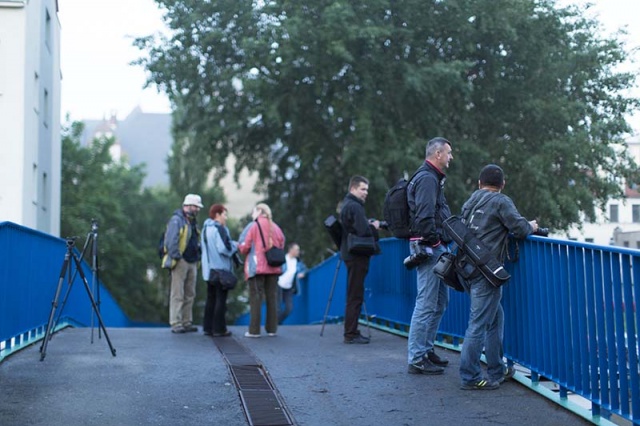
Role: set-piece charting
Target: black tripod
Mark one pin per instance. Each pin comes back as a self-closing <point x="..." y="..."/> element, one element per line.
<point x="91" y="241"/>
<point x="67" y="270"/>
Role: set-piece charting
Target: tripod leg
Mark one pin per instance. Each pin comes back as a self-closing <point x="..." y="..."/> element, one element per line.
<point x="54" y="305"/>
<point x="71" y="280"/>
<point x="366" y="315"/>
<point x="333" y="286"/>
<point x="93" y="304"/>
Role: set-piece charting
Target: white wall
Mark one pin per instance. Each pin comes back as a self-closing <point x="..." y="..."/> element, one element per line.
<point x="30" y="114"/>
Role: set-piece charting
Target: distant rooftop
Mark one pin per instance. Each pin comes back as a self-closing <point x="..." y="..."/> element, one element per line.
<point x="143" y="137"/>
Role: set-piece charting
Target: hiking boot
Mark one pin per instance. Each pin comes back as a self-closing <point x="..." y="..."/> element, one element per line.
<point x="508" y="374"/>
<point x="435" y="359"/>
<point x="190" y="328"/>
<point x="424" y="366"/>
<point x="359" y="339"/>
<point x="482" y="384"/>
<point x="178" y="329"/>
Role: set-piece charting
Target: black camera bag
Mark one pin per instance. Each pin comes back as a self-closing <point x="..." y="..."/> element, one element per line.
<point x="476" y="251"/>
<point x="445" y="270"/>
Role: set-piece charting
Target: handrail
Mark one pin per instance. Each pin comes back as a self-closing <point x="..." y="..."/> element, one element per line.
<point x="30" y="266"/>
<point x="570" y="315"/>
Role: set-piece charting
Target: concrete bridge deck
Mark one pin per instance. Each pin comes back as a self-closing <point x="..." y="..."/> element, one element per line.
<point x="160" y="378"/>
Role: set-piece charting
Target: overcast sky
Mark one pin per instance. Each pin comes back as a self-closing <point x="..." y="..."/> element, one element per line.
<point x="96" y="50"/>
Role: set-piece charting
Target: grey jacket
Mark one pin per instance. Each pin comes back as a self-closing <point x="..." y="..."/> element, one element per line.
<point x="491" y="216"/>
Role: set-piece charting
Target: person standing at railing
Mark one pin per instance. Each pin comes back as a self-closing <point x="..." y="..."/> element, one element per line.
<point x="293" y="270"/>
<point x="355" y="223"/>
<point x="428" y="209"/>
<point x="491" y="216"/>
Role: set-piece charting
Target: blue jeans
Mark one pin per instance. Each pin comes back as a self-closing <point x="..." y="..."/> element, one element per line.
<point x="485" y="330"/>
<point x="431" y="301"/>
<point x="286" y="297"/>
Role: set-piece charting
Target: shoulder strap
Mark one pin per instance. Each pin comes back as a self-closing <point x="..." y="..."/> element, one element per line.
<point x="484" y="200"/>
<point x="261" y="235"/>
<point x="206" y="243"/>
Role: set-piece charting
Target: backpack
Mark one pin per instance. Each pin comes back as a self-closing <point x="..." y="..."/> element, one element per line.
<point x="396" y="208"/>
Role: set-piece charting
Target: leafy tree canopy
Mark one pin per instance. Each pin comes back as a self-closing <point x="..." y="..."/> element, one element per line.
<point x="310" y="93"/>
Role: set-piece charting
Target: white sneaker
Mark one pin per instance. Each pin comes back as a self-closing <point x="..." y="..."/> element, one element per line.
<point x="271" y="334"/>
<point x="247" y="334"/>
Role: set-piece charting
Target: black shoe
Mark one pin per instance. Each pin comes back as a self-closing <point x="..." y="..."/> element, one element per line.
<point x="424" y="366"/>
<point x="481" y="384"/>
<point x="509" y="372"/>
<point x="207" y="333"/>
<point x="434" y="358"/>
<point x="358" y="339"/>
<point x="225" y="334"/>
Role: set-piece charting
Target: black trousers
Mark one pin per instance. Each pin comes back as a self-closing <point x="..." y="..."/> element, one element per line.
<point x="357" y="268"/>
<point x="215" y="309"/>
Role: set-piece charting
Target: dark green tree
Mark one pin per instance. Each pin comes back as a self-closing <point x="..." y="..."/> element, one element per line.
<point x="308" y="94"/>
<point x="130" y="219"/>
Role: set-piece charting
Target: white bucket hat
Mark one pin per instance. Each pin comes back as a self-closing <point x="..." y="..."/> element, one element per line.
<point x="192" y="200"/>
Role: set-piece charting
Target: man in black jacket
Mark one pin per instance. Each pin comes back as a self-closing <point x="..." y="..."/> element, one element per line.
<point x="428" y="209"/>
<point x="354" y="221"/>
<point x="490" y="215"/>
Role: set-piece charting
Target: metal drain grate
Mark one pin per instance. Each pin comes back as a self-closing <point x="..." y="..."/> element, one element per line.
<point x="260" y="399"/>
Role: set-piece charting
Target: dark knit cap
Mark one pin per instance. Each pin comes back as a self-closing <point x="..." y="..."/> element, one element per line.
<point x="492" y="175"/>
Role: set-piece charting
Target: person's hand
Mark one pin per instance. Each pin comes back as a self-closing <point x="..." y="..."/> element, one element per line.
<point x="534" y="225"/>
<point x="301" y="275"/>
<point x="375" y="223"/>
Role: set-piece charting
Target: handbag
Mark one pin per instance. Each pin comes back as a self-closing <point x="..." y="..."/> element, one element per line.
<point x="445" y="270"/>
<point x="365" y="246"/>
<point x="226" y="279"/>
<point x="274" y="255"/>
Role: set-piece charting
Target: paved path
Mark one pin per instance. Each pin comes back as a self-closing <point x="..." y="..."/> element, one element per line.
<point x="159" y="378"/>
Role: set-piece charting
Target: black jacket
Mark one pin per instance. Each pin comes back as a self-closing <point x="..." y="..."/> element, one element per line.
<point x="354" y="221"/>
<point x="491" y="216"/>
<point x="428" y="206"/>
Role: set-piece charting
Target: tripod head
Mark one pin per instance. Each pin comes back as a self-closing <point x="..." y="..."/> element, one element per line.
<point x="94" y="225"/>
<point x="71" y="241"/>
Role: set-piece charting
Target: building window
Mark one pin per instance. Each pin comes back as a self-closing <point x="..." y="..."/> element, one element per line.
<point x="635" y="213"/>
<point x="613" y="213"/>
<point x="45" y="108"/>
<point x="625" y="243"/>
<point x="638" y="244"/>
<point x="47" y="29"/>
<point x="588" y="240"/>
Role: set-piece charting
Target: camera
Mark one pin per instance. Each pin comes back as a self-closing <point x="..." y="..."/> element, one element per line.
<point x="542" y="232"/>
<point x="383" y="224"/>
<point x="421" y="253"/>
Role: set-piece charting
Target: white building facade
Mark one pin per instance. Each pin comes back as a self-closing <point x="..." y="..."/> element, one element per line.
<point x="619" y="224"/>
<point x="30" y="145"/>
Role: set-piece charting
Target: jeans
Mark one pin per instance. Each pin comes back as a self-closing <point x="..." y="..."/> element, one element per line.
<point x="284" y="296"/>
<point x="215" y="309"/>
<point x="431" y="301"/>
<point x="183" y="293"/>
<point x="263" y="287"/>
<point x="357" y="268"/>
<point x="485" y="329"/>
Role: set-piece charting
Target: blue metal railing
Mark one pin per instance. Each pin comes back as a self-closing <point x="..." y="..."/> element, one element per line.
<point x="570" y="308"/>
<point x="570" y="313"/>
<point x="30" y="266"/>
